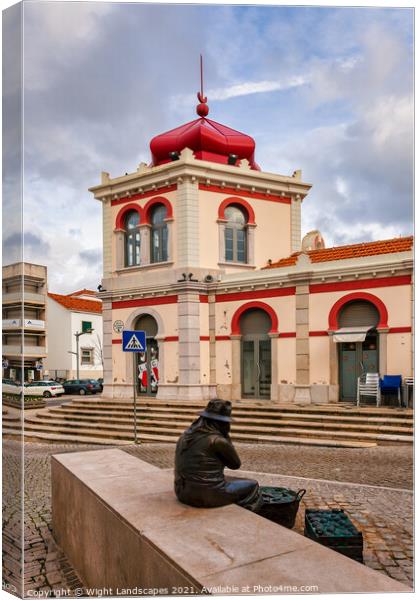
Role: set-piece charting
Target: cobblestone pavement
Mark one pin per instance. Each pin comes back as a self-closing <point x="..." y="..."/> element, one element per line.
<point x="384" y="515"/>
<point x="390" y="466"/>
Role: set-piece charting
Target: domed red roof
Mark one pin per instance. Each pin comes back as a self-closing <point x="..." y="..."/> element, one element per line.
<point x="207" y="139"/>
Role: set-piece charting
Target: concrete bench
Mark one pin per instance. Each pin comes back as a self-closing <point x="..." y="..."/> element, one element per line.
<point x="119" y="523"/>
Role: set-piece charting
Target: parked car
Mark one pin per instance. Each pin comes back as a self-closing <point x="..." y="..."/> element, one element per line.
<point x="101" y="383"/>
<point x="47" y="389"/>
<point x="81" y="386"/>
<point x="9" y="386"/>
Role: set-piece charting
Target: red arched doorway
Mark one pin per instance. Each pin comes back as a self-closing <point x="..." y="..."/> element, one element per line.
<point x="254" y="322"/>
<point x="357" y="343"/>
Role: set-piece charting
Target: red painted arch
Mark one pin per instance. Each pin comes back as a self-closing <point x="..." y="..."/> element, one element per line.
<point x="119" y="221"/>
<point x="157" y="200"/>
<point x="239" y="202"/>
<point x="334" y="312"/>
<point x="263" y="306"/>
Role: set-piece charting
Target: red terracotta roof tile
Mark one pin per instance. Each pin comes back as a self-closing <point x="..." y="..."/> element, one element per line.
<point x="403" y="244"/>
<point x="77" y="304"/>
<point x="83" y="292"/>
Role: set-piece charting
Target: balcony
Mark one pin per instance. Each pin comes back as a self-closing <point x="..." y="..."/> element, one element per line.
<point x="34" y="324"/>
<point x="27" y="297"/>
<point x="29" y="324"/>
<point x="29" y="351"/>
<point x="8" y="324"/>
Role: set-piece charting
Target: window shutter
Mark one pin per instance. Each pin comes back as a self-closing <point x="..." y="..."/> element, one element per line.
<point x="358" y="313"/>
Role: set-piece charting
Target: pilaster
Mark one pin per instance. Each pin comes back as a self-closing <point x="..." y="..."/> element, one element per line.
<point x="295" y="223"/>
<point x="189" y="337"/>
<point x="236" y="367"/>
<point x="107" y="341"/>
<point x="303" y="388"/>
<point x="188" y="225"/>
<point x="107" y="229"/>
<point x="274" y="392"/>
<point x="145" y="244"/>
<point x="212" y="336"/>
<point x="302" y="334"/>
<point x="119" y="249"/>
<point x="383" y="351"/>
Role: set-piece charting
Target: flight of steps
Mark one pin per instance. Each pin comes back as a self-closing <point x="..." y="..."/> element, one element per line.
<point x="105" y="421"/>
<point x="10" y="418"/>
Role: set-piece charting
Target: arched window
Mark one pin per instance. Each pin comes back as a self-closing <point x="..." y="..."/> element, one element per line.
<point x="159" y="239"/>
<point x="235" y="234"/>
<point x="132" y="238"/>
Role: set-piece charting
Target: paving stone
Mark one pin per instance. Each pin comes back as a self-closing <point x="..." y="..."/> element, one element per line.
<point x="384" y="515"/>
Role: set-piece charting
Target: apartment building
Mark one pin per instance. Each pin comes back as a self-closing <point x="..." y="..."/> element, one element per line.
<point x="24" y="321"/>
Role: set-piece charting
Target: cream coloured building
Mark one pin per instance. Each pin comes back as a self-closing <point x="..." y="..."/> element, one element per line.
<point x="203" y="251"/>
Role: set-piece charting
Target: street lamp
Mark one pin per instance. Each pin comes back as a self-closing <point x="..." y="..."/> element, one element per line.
<point x="77" y="335"/>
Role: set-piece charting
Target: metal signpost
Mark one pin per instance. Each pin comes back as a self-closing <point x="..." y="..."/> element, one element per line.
<point x="134" y="341"/>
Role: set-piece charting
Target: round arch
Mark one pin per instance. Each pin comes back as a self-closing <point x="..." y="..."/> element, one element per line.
<point x="140" y="312"/>
<point x="265" y="307"/>
<point x="334" y="312"/>
<point x="152" y="202"/>
<point x="119" y="221"/>
<point x="239" y="202"/>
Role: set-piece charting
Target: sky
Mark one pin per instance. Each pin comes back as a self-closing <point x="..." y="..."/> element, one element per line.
<point x="325" y="90"/>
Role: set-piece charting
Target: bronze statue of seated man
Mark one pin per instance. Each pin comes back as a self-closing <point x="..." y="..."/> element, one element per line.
<point x="202" y="453"/>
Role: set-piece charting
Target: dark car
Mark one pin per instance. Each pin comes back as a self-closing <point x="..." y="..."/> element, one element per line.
<point x="101" y="383"/>
<point x="81" y="386"/>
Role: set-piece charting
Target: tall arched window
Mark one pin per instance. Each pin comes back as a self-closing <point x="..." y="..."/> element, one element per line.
<point x="159" y="239"/>
<point x="132" y="238"/>
<point x="235" y="235"/>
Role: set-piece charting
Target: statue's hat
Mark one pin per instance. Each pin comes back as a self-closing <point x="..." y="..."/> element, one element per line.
<point x="219" y="410"/>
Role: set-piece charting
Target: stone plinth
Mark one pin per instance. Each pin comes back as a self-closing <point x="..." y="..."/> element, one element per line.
<point x="302" y="394"/>
<point x="120" y="525"/>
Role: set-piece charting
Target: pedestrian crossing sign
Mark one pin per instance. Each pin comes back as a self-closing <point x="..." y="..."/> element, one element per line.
<point x="134" y="341"/>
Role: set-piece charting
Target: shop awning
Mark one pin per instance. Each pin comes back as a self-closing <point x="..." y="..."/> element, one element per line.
<point x="351" y="334"/>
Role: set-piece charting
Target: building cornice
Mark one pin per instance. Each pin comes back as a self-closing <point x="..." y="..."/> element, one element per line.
<point x="148" y="179"/>
<point x="266" y="280"/>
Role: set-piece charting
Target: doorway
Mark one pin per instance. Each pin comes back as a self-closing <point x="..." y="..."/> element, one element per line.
<point x="357" y="356"/>
<point x="147" y="363"/>
<point x="255" y="354"/>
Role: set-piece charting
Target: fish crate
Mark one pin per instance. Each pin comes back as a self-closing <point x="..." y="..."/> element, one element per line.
<point x="334" y="529"/>
<point x="280" y="505"/>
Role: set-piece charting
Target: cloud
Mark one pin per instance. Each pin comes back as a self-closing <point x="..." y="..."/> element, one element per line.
<point x="326" y="90"/>
<point x="91" y="256"/>
<point x="244" y="89"/>
<point x="30" y="242"/>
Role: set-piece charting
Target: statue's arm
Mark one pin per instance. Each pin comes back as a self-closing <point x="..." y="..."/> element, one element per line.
<point x="227" y="453"/>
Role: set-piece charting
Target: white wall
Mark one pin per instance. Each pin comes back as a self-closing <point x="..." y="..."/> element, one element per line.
<point x="88" y="340"/>
<point x="59" y="337"/>
<point x="61" y="326"/>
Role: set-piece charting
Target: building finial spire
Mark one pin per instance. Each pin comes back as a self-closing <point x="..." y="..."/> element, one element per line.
<point x="202" y="108"/>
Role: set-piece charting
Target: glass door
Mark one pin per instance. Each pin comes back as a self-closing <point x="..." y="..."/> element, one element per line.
<point x="264" y="365"/>
<point x="256" y="367"/>
<point x="357" y="358"/>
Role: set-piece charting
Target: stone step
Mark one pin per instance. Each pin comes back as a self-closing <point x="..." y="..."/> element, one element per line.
<point x="153" y="411"/>
<point x="69" y="437"/>
<point x="246" y="432"/>
<point x="8" y="418"/>
<point x="177" y="407"/>
<point x="240" y="418"/>
<point x="240" y="424"/>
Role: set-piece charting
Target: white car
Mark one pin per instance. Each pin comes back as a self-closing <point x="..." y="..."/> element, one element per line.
<point x="47" y="389"/>
<point x="11" y="387"/>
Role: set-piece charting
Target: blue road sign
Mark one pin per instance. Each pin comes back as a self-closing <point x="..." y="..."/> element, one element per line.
<point x="134" y="341"/>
